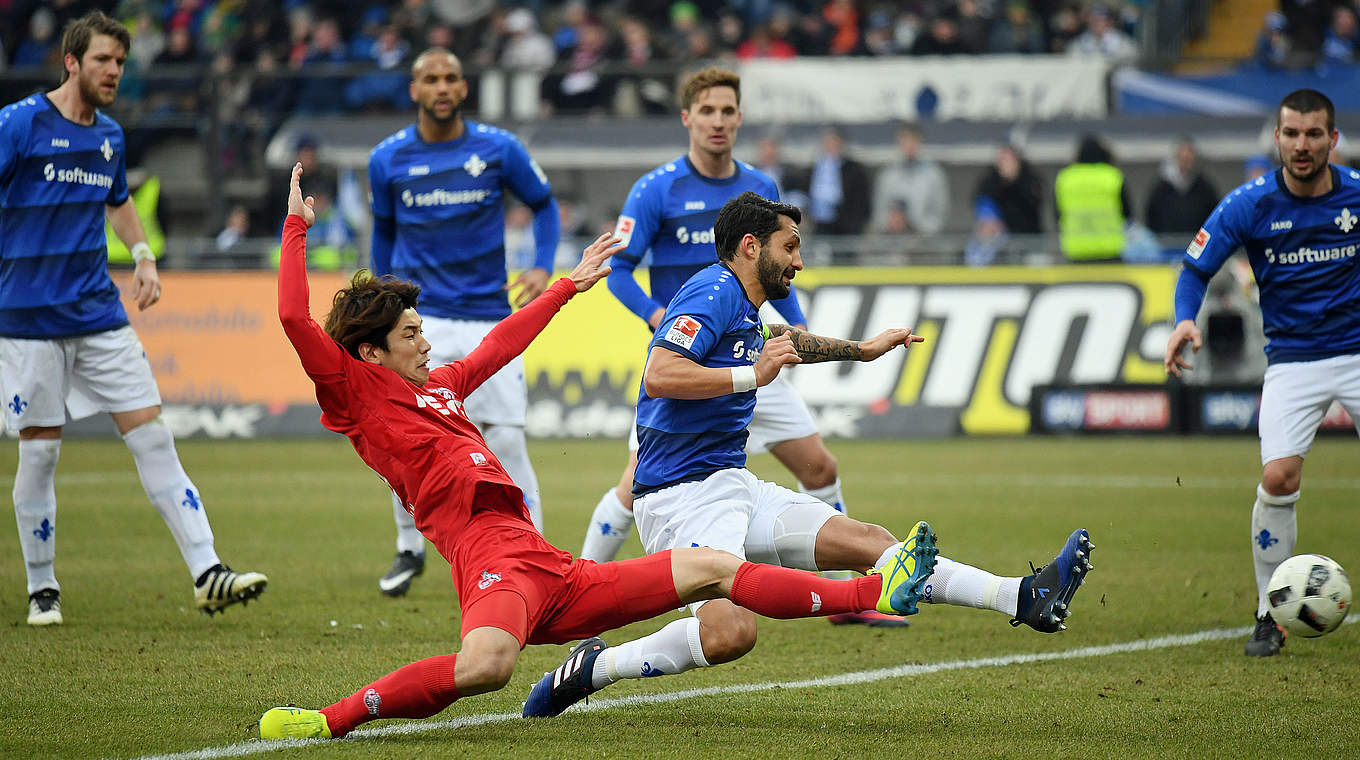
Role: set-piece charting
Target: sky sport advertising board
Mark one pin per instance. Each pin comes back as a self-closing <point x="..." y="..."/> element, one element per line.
<point x="226" y="370"/>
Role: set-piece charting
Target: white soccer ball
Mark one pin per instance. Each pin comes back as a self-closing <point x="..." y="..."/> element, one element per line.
<point x="1309" y="595"/>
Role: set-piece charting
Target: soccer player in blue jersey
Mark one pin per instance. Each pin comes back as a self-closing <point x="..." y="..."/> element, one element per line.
<point x="1298" y="226"/>
<point x="709" y="355"/>
<point x="65" y="344"/>
<point x="669" y="213"/>
<point x="439" y="190"/>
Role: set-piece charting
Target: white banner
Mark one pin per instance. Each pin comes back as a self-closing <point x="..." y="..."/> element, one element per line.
<point x="979" y="88"/>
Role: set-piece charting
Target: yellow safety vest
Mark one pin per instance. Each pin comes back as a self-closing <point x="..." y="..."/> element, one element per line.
<point x="1090" y="212"/>
<point x="144" y="200"/>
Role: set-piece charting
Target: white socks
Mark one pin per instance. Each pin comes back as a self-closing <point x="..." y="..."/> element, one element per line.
<point x="830" y="494"/>
<point x="172" y="493"/>
<point x="508" y="444"/>
<point x="408" y="538"/>
<point x="967" y="586"/>
<point x="1274" y="530"/>
<point x="35" y="509"/>
<point x="673" y="649"/>
<point x="609" y="527"/>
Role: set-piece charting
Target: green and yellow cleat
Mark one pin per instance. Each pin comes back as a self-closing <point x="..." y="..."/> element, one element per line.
<point x="905" y="575"/>
<point x="294" y="723"/>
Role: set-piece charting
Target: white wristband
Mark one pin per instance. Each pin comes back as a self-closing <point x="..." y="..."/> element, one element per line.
<point x="142" y="252"/>
<point x="743" y="379"/>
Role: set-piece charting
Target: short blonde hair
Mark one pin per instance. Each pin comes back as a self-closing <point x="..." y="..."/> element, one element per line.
<point x="713" y="76"/>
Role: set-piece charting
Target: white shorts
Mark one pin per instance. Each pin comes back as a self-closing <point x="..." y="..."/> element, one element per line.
<point x="735" y="511"/>
<point x="1296" y="396"/>
<point x="44" y="381"/>
<point x="503" y="398"/>
<point x="780" y="415"/>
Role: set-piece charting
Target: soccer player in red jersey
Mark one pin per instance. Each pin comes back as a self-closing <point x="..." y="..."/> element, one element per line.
<point x="406" y="421"/>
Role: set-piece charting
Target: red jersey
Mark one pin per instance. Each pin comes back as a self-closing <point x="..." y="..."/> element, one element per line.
<point x="417" y="439"/>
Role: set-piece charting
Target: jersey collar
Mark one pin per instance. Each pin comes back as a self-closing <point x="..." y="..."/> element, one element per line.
<point x="694" y="170"/>
<point x="1336" y="185"/>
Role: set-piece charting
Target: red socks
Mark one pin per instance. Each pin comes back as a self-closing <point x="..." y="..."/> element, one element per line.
<point x="418" y="690"/>
<point x="779" y="592"/>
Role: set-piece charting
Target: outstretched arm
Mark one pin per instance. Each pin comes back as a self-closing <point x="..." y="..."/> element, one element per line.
<point x="815" y="348"/>
<point x="513" y="334"/>
<point x="319" y="353"/>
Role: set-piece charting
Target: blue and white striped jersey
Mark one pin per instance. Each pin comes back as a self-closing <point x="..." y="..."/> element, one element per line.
<point x="1303" y="252"/>
<point x="712" y="322"/>
<point x="439" y="216"/>
<point x="56" y="177"/>
<point x="670" y="212"/>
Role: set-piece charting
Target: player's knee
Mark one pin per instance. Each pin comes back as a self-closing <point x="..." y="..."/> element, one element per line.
<point x="1281" y="477"/>
<point x="484" y="673"/>
<point x="727" y="636"/>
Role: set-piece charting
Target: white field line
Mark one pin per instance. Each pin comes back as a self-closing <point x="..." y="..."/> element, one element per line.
<point x="97" y="478"/>
<point x="255" y="747"/>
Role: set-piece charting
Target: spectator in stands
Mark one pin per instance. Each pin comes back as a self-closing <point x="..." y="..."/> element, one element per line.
<point x="235" y="231"/>
<point x="1342" y="37"/>
<point x="147" y="41"/>
<point x="1183" y="197"/>
<point x="1092" y="204"/>
<point x="39" y="47"/>
<point x="1307" y="23"/>
<point x="838" y="189"/>
<point x="812" y="36"/>
<point x="941" y="36"/>
<point x="843" y="18"/>
<point x="385" y="87"/>
<point x="526" y="48"/>
<point x="583" y="88"/>
<point x="1064" y="28"/>
<point x="567" y="33"/>
<point x="1273" y="46"/>
<point x="1103" y="38"/>
<point x="761" y="44"/>
<point x="731" y="32"/>
<point x="1015" y="191"/>
<point x="637" y="50"/>
<point x="989" y="236"/>
<point x="915" y="182"/>
<point x="975" y="27"/>
<point x="1016" y="31"/>
<point x="769" y="161"/>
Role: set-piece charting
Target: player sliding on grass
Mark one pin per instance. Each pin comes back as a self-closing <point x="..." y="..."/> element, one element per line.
<point x="406" y="421"/>
<point x="691" y="487"/>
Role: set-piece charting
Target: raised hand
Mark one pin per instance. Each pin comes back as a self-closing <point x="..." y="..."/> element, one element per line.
<point x="593" y="268"/>
<point x="777" y="354"/>
<point x="296" y="203"/>
<point x="886" y="341"/>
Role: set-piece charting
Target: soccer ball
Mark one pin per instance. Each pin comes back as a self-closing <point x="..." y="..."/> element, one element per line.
<point x="1309" y="595"/>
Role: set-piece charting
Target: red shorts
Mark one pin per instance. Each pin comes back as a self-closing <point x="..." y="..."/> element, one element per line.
<point x="509" y="577"/>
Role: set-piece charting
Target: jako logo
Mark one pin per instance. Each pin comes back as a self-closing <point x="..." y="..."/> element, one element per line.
<point x="1284" y="225"/>
<point x="698" y="237"/>
<point x="441" y="197"/>
<point x="76" y="176"/>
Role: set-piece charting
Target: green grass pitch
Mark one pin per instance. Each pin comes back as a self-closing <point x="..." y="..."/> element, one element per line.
<point x="137" y="671"/>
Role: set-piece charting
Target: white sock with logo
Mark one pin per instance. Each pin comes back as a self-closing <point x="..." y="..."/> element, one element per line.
<point x="172" y="493"/>
<point x="508" y="444"/>
<point x="830" y="494"/>
<point x="967" y="586"/>
<point x="1274" y="530"/>
<point x="610" y="524"/>
<point x="408" y="538"/>
<point x="35" y="509"/>
<point x="673" y="649"/>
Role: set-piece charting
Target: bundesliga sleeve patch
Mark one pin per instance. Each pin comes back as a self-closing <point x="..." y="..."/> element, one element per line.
<point x="1197" y="245"/>
<point x="624" y="229"/>
<point x="683" y="331"/>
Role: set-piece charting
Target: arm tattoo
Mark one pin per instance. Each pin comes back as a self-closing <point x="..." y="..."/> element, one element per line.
<point x="815" y="348"/>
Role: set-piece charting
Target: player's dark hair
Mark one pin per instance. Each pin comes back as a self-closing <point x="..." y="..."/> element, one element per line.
<point x="75" y="40"/>
<point x="749" y="213"/>
<point x="713" y="76"/>
<point x="1308" y="101"/>
<point x="368" y="309"/>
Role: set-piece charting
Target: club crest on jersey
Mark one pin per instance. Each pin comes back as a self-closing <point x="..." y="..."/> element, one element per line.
<point x="478" y="458"/>
<point x="683" y="331"/>
<point x="623" y="230"/>
<point x="1345" y="221"/>
<point x="474" y="165"/>
<point x="106" y="150"/>
<point x="1197" y="245"/>
<point x="488" y="578"/>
